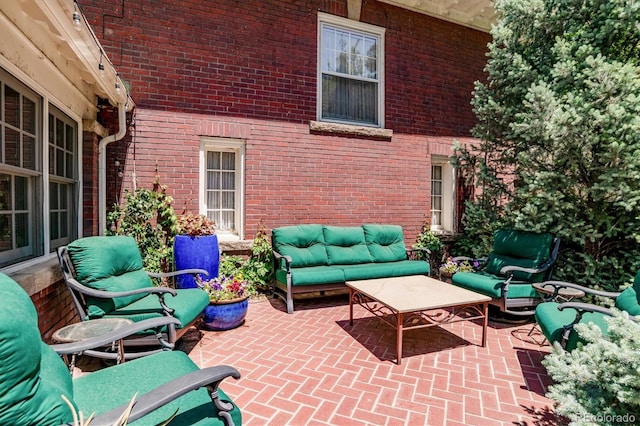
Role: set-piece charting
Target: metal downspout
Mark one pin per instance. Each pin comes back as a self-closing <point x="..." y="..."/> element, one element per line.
<point x="102" y="167"/>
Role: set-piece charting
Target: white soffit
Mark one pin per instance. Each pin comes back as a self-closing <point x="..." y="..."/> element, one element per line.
<point x="477" y="14"/>
<point x="56" y="43"/>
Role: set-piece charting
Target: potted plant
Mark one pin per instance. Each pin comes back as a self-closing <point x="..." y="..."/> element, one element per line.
<point x="450" y="267"/>
<point x="228" y="301"/>
<point x="195" y="246"/>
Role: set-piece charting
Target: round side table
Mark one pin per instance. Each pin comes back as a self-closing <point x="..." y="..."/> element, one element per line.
<point x="551" y="293"/>
<point x="92" y="328"/>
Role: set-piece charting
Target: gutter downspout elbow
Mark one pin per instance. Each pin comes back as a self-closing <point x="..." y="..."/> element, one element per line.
<point x="102" y="167"/>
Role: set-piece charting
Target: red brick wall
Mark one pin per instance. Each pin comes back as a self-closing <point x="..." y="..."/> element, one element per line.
<point x="248" y="70"/>
<point x="55" y="309"/>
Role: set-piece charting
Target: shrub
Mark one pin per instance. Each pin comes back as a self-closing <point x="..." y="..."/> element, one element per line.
<point x="598" y="383"/>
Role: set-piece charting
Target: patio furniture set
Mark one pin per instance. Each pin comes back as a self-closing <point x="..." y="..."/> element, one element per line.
<point x="114" y="295"/>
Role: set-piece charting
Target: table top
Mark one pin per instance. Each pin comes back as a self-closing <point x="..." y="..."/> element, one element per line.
<point x="416" y="293"/>
<point x="562" y="291"/>
<point x="88" y="329"/>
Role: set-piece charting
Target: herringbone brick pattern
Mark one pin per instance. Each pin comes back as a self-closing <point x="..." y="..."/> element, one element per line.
<point x="312" y="368"/>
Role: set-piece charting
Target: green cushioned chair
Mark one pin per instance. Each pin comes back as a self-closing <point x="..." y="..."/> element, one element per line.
<point x="518" y="259"/>
<point x="106" y="279"/>
<point x="557" y="320"/>
<point x="34" y="378"/>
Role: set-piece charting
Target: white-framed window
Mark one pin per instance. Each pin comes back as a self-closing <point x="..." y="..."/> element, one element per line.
<point x="222" y="185"/>
<point x="442" y="195"/>
<point x="350" y="71"/>
<point x="38" y="210"/>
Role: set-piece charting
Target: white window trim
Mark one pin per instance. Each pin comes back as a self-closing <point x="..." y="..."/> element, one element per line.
<point x="225" y="144"/>
<point x="448" y="195"/>
<point x="325" y="18"/>
<point x="47" y="98"/>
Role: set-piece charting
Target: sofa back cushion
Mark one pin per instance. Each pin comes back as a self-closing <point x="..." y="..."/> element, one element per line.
<point x="346" y="245"/>
<point x="33" y="377"/>
<point x="385" y="242"/>
<point x="519" y="248"/>
<point x="304" y="243"/>
<point x="109" y="263"/>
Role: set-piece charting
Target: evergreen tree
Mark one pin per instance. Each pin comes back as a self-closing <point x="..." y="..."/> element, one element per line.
<point x="559" y="124"/>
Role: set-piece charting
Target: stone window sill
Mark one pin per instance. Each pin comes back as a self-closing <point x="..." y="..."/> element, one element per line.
<point x="348" y="129"/>
<point x="37" y="275"/>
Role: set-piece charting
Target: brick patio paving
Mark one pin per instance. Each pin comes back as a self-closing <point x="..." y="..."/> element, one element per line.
<point x="312" y="368"/>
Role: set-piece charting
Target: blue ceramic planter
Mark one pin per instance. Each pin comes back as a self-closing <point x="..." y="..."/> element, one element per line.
<point x="200" y="252"/>
<point x="225" y="315"/>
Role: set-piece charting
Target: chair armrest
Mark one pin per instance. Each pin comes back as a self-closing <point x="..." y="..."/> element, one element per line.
<point x="468" y="259"/>
<point x="506" y="269"/>
<point x="112" y="336"/>
<point x="585" y="307"/>
<point x="75" y="284"/>
<point x="279" y="257"/>
<point x="180" y="272"/>
<point x="411" y="253"/>
<point x="559" y="284"/>
<point x="158" y="397"/>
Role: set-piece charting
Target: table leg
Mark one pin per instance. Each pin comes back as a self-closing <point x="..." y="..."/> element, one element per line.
<point x="120" y="358"/>
<point x="351" y="291"/>
<point x="485" y="322"/>
<point x="400" y="317"/>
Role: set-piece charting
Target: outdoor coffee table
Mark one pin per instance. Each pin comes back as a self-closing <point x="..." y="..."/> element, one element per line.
<point x="407" y="303"/>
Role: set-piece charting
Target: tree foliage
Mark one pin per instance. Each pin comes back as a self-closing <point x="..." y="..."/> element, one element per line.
<point x="559" y="129"/>
<point x="598" y="383"/>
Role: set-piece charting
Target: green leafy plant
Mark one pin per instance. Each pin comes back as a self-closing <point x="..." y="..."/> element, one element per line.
<point x="147" y="216"/>
<point x="195" y="225"/>
<point x="559" y="134"/>
<point x="598" y="383"/>
<point x="427" y="239"/>
<point x="257" y="269"/>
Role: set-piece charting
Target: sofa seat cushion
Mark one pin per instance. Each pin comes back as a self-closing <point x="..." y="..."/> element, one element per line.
<point x="552" y="321"/>
<point x="131" y="377"/>
<point x="188" y="304"/>
<point x="346" y="245"/>
<point x="491" y="285"/>
<point x="384" y="270"/>
<point x="312" y="275"/>
<point x="385" y="242"/>
<point x="303" y="243"/>
<point x="519" y="248"/>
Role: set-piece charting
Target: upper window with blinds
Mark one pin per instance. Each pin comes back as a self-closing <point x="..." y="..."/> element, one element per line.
<point x="350" y="82"/>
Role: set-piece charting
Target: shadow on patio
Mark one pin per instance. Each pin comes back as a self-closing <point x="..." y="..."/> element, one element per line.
<point x="312" y="368"/>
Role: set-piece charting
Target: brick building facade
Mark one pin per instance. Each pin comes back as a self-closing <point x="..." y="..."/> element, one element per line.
<point x="247" y="72"/>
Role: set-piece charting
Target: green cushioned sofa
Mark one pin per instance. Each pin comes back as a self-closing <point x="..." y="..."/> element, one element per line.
<point x="316" y="257"/>
<point x="518" y="259"/>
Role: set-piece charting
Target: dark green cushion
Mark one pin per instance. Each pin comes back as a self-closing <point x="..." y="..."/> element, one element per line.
<point x="188" y="304"/>
<point x="121" y="382"/>
<point x="629" y="300"/>
<point x="385" y="242"/>
<point x="108" y="263"/>
<point x="345" y="245"/>
<point x="304" y="243"/>
<point x="32" y="376"/>
<point x="384" y="270"/>
<point x="519" y="248"/>
<point x="312" y="275"/>
<point x="552" y="321"/>
<point x="491" y="285"/>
